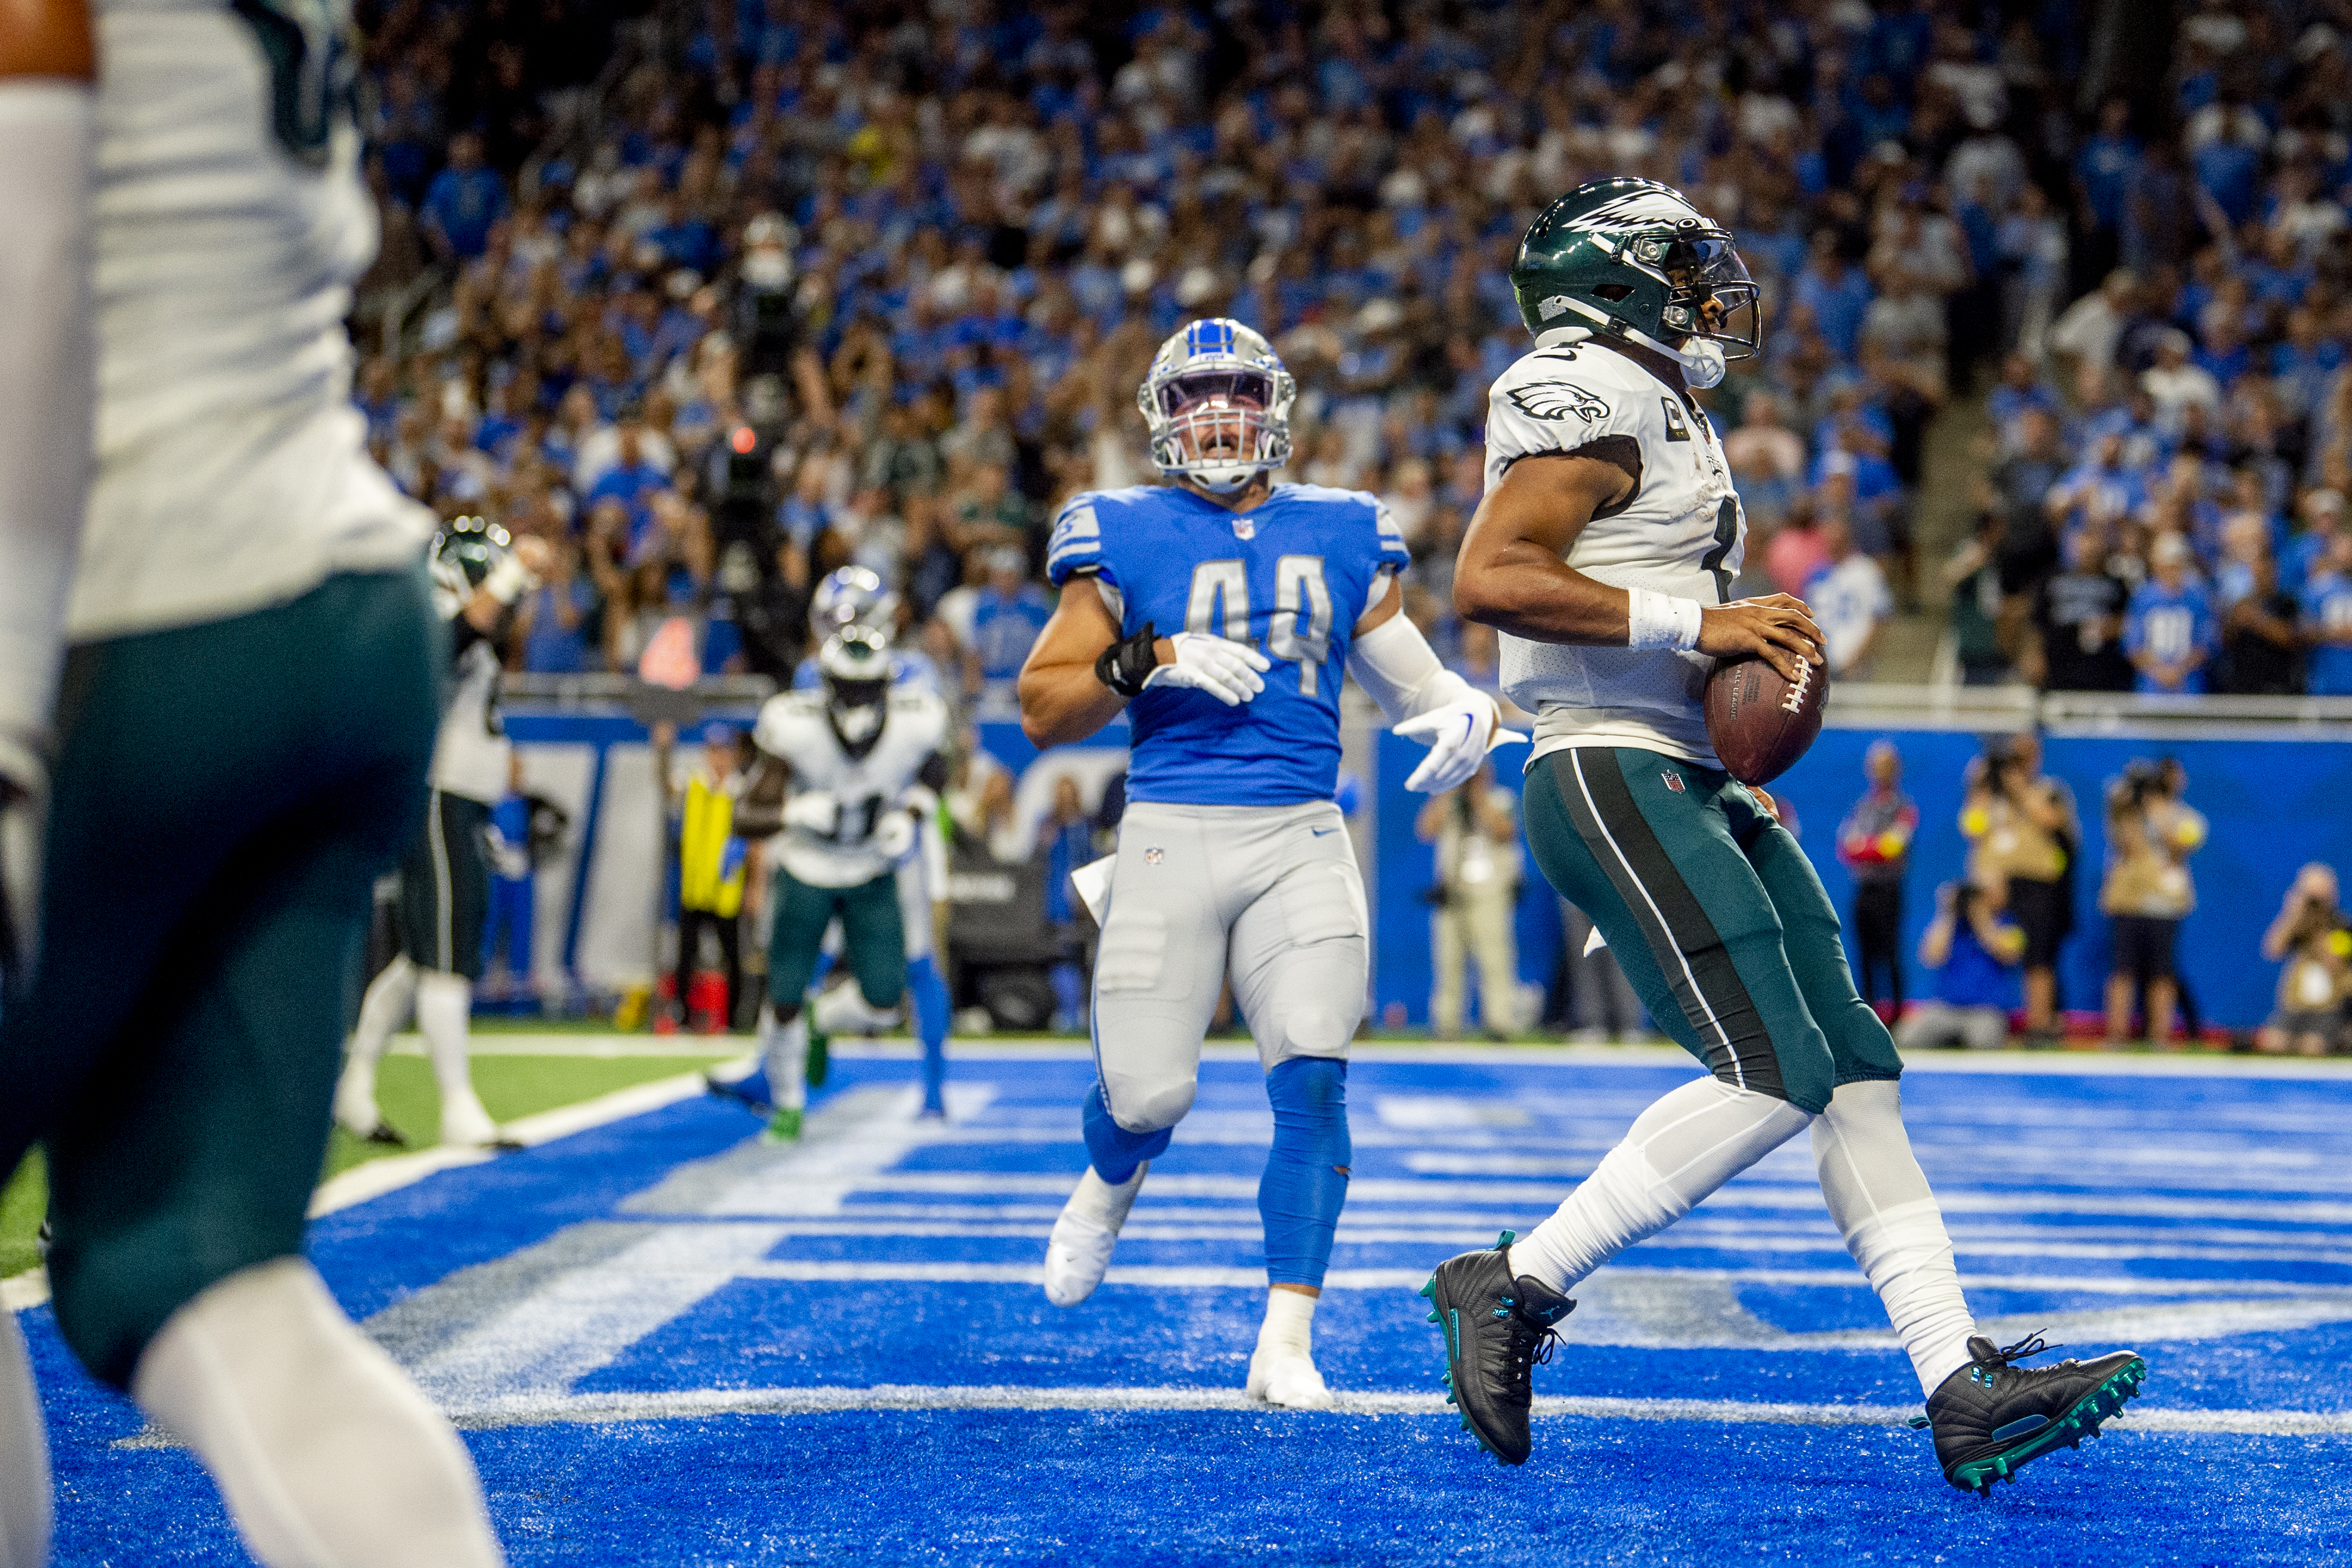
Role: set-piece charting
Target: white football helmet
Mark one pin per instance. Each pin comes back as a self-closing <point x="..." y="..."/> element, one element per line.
<point x="1217" y="402"/>
<point x="852" y="596"/>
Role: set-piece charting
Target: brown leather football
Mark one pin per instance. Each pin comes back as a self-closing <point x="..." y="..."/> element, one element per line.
<point x="1759" y="723"/>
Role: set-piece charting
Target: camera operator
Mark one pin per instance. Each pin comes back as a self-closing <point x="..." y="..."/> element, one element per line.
<point x="2313" y="938"/>
<point x="2022" y="832"/>
<point x="1973" y="948"/>
<point x="2147" y="893"/>
<point x="1476" y="898"/>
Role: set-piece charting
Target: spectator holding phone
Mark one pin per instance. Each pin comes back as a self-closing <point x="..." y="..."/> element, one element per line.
<point x="2312" y="941"/>
<point x="1974" y="949"/>
<point x="2147" y="894"/>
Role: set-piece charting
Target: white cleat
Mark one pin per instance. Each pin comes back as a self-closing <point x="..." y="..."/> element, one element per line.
<point x="1078" y="1252"/>
<point x="1282" y="1377"/>
<point x="466" y="1124"/>
<point x="355" y="1109"/>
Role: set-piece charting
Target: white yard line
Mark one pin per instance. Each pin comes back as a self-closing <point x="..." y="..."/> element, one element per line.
<point x="694" y="1403"/>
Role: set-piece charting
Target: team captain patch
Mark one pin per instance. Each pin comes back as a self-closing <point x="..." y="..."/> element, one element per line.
<point x="1558" y="399"/>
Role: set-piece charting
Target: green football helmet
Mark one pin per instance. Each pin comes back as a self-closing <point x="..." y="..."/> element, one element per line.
<point x="1633" y="258"/>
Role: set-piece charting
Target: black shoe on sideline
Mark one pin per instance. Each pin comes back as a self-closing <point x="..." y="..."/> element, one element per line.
<point x="1990" y="1417"/>
<point x="1497" y="1329"/>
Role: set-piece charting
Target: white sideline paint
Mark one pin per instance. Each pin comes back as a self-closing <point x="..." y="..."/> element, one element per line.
<point x="602" y="1408"/>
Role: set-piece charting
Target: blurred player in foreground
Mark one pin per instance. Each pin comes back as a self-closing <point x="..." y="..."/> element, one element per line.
<point x="861" y="760"/>
<point x="444" y="877"/>
<point x="250" y="670"/>
<point x="1232" y="856"/>
<point x="1604" y="551"/>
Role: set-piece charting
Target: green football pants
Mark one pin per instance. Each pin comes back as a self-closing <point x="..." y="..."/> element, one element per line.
<point x="873" y="938"/>
<point x="226" y="797"/>
<point x="1715" y="914"/>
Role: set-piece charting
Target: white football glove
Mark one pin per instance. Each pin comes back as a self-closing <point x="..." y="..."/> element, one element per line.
<point x="1459" y="734"/>
<point x="894" y="836"/>
<point x="23" y="813"/>
<point x="1227" y="670"/>
<point x="813" y="811"/>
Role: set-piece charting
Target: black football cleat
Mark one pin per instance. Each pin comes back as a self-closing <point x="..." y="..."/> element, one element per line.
<point x="1497" y="1331"/>
<point x="1990" y="1417"/>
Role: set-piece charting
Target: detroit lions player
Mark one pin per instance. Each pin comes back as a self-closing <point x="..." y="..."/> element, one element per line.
<point x="1232" y="856"/>
<point x="860" y="757"/>
<point x="1604" y="551"/>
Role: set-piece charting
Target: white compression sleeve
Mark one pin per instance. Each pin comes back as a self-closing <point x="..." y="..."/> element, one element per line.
<point x="25" y="1504"/>
<point x="1881" y="1201"/>
<point x="1679" y="1151"/>
<point x="47" y="383"/>
<point x="784" y="1046"/>
<point x="383" y="1009"/>
<point x="1398" y="669"/>
<point x="326" y="1456"/>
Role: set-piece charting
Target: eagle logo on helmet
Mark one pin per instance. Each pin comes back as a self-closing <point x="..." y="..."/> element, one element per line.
<point x="1558" y="399"/>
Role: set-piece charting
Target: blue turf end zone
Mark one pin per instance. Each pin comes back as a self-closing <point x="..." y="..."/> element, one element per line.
<point x="670" y="1345"/>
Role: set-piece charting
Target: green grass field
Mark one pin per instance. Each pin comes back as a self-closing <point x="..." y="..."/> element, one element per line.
<point x="512" y="1086"/>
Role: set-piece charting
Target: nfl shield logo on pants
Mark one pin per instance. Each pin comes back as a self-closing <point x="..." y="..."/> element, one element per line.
<point x="1674" y="780"/>
<point x="1152" y="857"/>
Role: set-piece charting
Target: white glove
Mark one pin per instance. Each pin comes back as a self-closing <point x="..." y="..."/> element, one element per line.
<point x="1227" y="670"/>
<point x="894" y="836"/>
<point x="1458" y="734"/>
<point x="813" y="811"/>
<point x="24" y="811"/>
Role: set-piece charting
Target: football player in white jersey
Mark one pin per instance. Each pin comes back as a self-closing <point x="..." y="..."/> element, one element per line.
<point x="842" y="775"/>
<point x="1604" y="551"/>
<point x="479" y="574"/>
<point x="250" y="672"/>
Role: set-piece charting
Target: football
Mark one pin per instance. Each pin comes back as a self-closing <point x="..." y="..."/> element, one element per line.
<point x="1759" y="722"/>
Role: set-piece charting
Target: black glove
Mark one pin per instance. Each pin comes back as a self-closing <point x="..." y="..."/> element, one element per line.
<point x="1126" y="665"/>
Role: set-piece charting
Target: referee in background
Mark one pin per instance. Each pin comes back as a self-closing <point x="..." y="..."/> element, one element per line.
<point x="1874" y="844"/>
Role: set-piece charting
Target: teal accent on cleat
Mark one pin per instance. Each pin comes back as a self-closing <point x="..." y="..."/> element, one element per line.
<point x="2028" y="1435"/>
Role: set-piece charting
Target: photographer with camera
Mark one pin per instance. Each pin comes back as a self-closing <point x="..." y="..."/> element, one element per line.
<point x="2150" y="835"/>
<point x="1973" y="948"/>
<point x="2022" y="833"/>
<point x="1476" y="903"/>
<point x="2312" y="937"/>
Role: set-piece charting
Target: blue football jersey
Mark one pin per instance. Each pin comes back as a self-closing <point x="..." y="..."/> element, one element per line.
<point x="909" y="667"/>
<point x="1291" y="578"/>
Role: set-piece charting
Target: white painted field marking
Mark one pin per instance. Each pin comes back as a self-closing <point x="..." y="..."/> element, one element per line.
<point x="612" y="1408"/>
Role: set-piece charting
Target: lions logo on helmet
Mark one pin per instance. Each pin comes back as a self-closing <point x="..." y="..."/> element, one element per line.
<point x="855" y="662"/>
<point x="852" y="596"/>
<point x="1217" y="404"/>
<point x="1633" y="259"/>
<point x="463" y="554"/>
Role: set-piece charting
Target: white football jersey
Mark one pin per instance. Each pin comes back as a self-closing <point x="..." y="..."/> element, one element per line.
<point x="795" y="728"/>
<point x="1682" y="533"/>
<point x="232" y="471"/>
<point x="470" y="753"/>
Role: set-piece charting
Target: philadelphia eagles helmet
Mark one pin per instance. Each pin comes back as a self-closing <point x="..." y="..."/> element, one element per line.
<point x="855" y="662"/>
<point x="463" y="554"/>
<point x="1633" y="259"/>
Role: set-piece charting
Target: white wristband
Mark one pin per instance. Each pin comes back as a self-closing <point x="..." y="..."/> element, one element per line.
<point x="1660" y="620"/>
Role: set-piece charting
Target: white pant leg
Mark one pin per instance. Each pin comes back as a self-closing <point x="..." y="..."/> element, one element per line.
<point x="915" y="907"/>
<point x="1300" y="952"/>
<point x="1159" y="966"/>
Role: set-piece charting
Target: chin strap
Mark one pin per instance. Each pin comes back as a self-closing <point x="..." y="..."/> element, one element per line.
<point x="1702" y="358"/>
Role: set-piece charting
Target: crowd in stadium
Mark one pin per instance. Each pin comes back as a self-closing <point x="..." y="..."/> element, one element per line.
<point x="818" y="287"/>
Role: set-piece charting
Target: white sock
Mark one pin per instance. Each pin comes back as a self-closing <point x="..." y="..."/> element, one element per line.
<point x="25" y="1500"/>
<point x="445" y="1007"/>
<point x="383" y="1009"/>
<point x="1289" y="1325"/>
<point x="786" y="1048"/>
<point x="1881" y="1201"/>
<point x="326" y="1456"/>
<point x="1679" y="1150"/>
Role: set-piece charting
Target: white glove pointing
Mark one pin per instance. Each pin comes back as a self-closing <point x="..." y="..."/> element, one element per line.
<point x="1458" y="735"/>
<point x="1227" y="670"/>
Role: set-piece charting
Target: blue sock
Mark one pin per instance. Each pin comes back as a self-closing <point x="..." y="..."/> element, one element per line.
<point x="1115" y="1151"/>
<point x="926" y="991"/>
<point x="819" y="971"/>
<point x="1307" y="1170"/>
<point x="1069" y="990"/>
